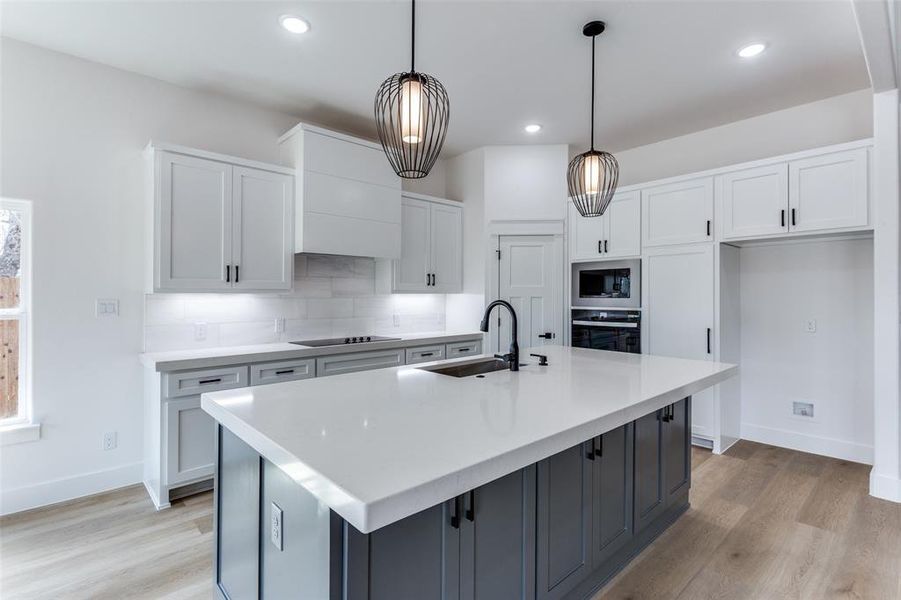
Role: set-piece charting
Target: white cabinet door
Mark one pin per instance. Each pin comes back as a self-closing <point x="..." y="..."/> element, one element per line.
<point x="754" y="202"/>
<point x="194" y="223"/>
<point x="263" y="249"/>
<point x="677" y="213"/>
<point x="829" y="191"/>
<point x="446" y="252"/>
<point x="679" y="313"/>
<point x="586" y="235"/>
<point x="623" y="226"/>
<point x="412" y="270"/>
<point x="189" y="441"/>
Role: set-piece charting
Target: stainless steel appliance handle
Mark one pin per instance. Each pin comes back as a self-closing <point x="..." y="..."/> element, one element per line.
<point x="605" y="324"/>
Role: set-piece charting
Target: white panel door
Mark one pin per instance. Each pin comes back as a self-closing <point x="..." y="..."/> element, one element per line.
<point x="531" y="280"/>
<point x="677" y="213"/>
<point x="411" y="271"/>
<point x="194" y="235"/>
<point x="446" y="257"/>
<point x="678" y="287"/>
<point x="829" y="192"/>
<point x="623" y="226"/>
<point x="755" y="202"/>
<point x="263" y="249"/>
<point x="586" y="235"/>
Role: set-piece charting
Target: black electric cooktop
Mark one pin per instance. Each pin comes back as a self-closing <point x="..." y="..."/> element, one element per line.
<point x="359" y="339"/>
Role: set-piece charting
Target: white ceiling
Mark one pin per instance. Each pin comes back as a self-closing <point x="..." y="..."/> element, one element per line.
<point x="664" y="68"/>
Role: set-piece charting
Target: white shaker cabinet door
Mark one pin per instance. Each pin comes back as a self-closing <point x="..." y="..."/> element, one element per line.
<point x="755" y="202"/>
<point x="829" y="191"/>
<point x="679" y="313"/>
<point x="194" y="223"/>
<point x="678" y="213"/>
<point x="623" y="226"/>
<point x="263" y="249"/>
<point x="412" y="270"/>
<point x="190" y="435"/>
<point x="586" y="235"/>
<point x="446" y="254"/>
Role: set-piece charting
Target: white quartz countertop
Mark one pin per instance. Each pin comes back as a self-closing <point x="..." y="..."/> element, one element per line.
<point x="178" y="360"/>
<point x="378" y="446"/>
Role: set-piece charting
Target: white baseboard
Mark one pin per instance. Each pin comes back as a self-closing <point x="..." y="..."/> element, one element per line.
<point x="813" y="444"/>
<point x="59" y="490"/>
<point x="885" y="487"/>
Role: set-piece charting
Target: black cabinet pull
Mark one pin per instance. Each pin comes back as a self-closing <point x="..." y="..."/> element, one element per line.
<point x="605" y="246"/>
<point x="236" y="273"/>
<point x="660" y="415"/>
<point x="600" y="247"/>
<point x="782" y="217"/>
<point x="433" y="279"/>
<point x="427" y="354"/>
<point x="428" y="279"/>
<point x="455" y="513"/>
<point x="708" y="340"/>
<point x="794" y="221"/>
<point x="708" y="227"/>
<point x="462" y="349"/>
<point x="599" y="449"/>
<point x="471" y="509"/>
<point x="208" y="381"/>
<point x="591" y="451"/>
<point x="284" y="372"/>
<point x="228" y="273"/>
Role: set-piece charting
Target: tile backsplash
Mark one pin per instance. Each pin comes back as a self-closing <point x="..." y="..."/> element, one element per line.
<point x="332" y="296"/>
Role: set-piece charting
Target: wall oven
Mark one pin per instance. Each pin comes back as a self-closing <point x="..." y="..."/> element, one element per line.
<point x="608" y="284"/>
<point x="617" y="330"/>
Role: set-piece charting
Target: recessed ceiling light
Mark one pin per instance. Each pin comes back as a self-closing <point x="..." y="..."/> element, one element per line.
<point x="294" y="24"/>
<point x="532" y="128"/>
<point x="751" y="50"/>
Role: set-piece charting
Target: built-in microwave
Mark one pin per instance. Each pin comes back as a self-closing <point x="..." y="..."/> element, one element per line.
<point x="607" y="284"/>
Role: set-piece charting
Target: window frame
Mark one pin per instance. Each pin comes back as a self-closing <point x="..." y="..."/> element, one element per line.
<point x="25" y="414"/>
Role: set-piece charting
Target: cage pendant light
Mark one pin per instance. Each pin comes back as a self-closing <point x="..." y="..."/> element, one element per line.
<point x="411" y="115"/>
<point x="592" y="175"/>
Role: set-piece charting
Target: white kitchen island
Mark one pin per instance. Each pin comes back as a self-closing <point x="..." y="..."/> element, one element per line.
<point x="402" y="482"/>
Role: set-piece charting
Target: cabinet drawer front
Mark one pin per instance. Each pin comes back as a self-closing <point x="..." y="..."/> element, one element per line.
<point x="424" y="354"/>
<point x="190" y="441"/>
<point x="458" y="349"/>
<point x="325" y="154"/>
<point x="189" y="383"/>
<point x="331" y="195"/>
<point x="360" y="361"/>
<point x="288" y="370"/>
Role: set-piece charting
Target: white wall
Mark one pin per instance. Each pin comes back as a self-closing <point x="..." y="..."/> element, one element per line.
<point x="72" y="136"/>
<point x="525" y="182"/>
<point x="830" y="121"/>
<point x="783" y="286"/>
<point x="434" y="184"/>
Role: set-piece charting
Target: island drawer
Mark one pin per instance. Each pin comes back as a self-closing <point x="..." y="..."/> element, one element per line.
<point x="422" y="354"/>
<point x="358" y="361"/>
<point x="458" y="349"/>
<point x="287" y="370"/>
<point x="190" y="383"/>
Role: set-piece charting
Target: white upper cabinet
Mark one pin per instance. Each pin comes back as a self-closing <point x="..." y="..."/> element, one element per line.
<point x="348" y="199"/>
<point x="615" y="234"/>
<point x="829" y="191"/>
<point x="754" y="201"/>
<point x="218" y="225"/>
<point x="677" y="213"/>
<point x="431" y="247"/>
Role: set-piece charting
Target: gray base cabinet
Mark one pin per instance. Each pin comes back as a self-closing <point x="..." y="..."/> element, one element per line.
<point x="555" y="530"/>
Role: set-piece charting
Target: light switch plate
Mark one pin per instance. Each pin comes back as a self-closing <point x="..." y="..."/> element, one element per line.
<point x="810" y="326"/>
<point x="276" y="526"/>
<point x="199" y="332"/>
<point x="107" y="307"/>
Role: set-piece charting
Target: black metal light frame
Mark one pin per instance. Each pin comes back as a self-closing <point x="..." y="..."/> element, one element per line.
<point x="592" y="200"/>
<point x="412" y="160"/>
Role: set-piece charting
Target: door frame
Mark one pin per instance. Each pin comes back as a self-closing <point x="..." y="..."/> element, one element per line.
<point x="551" y="229"/>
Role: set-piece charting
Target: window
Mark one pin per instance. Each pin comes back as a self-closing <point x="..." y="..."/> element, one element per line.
<point x="15" y="269"/>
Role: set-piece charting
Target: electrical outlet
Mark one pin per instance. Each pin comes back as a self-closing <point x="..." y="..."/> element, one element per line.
<point x="279" y="324"/>
<point x="810" y="326"/>
<point x="276" y="526"/>
<point x="199" y="332"/>
<point x="110" y="440"/>
<point x="106" y="307"/>
<point x="802" y="409"/>
<point x="397" y="320"/>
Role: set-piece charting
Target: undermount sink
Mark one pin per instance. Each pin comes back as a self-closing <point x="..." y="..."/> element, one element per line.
<point x="478" y="367"/>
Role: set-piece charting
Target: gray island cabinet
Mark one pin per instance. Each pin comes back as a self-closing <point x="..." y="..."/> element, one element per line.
<point x="407" y="483"/>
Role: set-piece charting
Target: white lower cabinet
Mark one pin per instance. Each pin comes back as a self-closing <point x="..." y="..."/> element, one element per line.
<point x="423" y="354"/>
<point x="678" y="288"/>
<point x="189" y="437"/>
<point x="338" y="364"/>
<point x="461" y="349"/>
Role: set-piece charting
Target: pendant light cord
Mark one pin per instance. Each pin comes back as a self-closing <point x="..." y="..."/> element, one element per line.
<point x="413" y="38"/>
<point x="592" y="91"/>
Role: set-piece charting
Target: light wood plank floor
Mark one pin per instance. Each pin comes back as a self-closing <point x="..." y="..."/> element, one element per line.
<point x="765" y="523"/>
